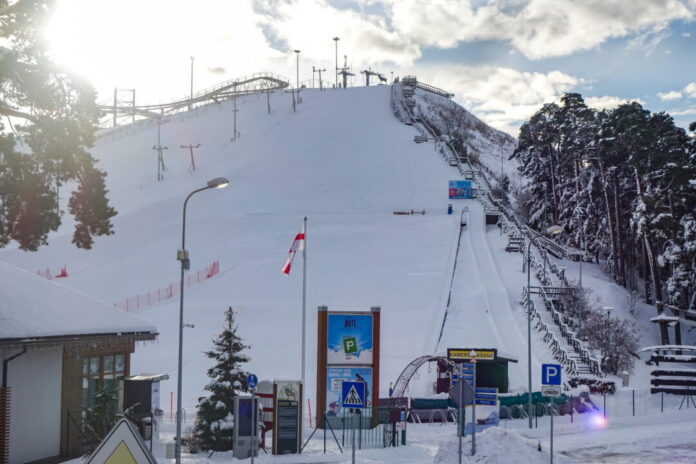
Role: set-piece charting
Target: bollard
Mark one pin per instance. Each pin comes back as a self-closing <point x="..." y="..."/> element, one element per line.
<point x="571" y="408"/>
<point x="633" y="402"/>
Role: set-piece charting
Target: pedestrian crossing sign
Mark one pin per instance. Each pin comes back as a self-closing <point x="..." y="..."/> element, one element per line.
<point x="353" y="395"/>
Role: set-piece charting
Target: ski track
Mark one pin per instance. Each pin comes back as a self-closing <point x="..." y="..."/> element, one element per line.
<point x="481" y="313"/>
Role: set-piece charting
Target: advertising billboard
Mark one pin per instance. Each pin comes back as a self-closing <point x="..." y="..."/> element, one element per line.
<point x="335" y="376"/>
<point x="349" y="339"/>
<point x="460" y="189"/>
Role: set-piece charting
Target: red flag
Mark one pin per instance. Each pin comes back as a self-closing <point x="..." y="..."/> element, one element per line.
<point x="297" y="245"/>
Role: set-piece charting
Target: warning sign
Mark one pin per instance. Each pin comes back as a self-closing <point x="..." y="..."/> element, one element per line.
<point x="122" y="445"/>
<point x="353" y="395"/>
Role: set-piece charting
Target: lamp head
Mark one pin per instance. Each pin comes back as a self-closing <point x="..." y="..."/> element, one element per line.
<point x="554" y="230"/>
<point x="218" y="183"/>
<point x="296" y="51"/>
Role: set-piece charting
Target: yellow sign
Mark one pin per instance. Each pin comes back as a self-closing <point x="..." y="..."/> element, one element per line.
<point x="122" y="445"/>
<point x="121" y="455"/>
<point x="461" y="354"/>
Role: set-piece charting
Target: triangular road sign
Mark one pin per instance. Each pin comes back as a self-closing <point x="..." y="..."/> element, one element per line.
<point x="353" y="399"/>
<point x="122" y="445"/>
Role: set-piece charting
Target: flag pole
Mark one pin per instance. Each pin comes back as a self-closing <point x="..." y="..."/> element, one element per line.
<point x="304" y="299"/>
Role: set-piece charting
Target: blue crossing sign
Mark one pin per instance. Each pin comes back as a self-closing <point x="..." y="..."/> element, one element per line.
<point x="353" y="395"/>
<point x="551" y="374"/>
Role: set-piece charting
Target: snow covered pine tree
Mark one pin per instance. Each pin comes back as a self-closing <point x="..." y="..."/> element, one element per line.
<point x="214" y="419"/>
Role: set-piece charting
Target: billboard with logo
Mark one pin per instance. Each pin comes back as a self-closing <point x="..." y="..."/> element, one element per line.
<point x="349" y="339"/>
<point x="460" y="189"/>
<point x="348" y="350"/>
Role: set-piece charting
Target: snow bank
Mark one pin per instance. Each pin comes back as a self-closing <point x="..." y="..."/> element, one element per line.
<point x="496" y="446"/>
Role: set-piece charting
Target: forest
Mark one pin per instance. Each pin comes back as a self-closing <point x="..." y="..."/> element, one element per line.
<point x="622" y="184"/>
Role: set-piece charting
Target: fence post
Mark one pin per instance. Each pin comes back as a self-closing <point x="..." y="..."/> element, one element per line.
<point x="571" y="408"/>
<point x="605" y="405"/>
<point x="633" y="394"/>
<point x="662" y="401"/>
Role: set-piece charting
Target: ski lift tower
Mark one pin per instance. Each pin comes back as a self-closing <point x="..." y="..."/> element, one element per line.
<point x="345" y="71"/>
<point x="369" y="72"/>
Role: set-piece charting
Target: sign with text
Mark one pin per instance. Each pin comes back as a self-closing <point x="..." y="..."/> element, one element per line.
<point x="466" y="354"/>
<point x="349" y="339"/>
<point x="336" y="376"/>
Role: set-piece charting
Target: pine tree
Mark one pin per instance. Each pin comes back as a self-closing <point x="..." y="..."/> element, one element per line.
<point x="47" y="123"/>
<point x="214" y="419"/>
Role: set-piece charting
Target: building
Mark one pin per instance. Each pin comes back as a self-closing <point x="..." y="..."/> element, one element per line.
<point x="58" y="347"/>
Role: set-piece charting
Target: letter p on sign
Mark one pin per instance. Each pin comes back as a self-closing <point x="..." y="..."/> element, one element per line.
<point x="551" y="374"/>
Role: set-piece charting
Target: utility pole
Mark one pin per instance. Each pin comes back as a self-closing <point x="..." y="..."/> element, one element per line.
<point x="191" y="102"/>
<point x="297" y="86"/>
<point x="234" y="137"/>
<point x="313" y="71"/>
<point x="160" y="158"/>
<point x="268" y="100"/>
<point x="321" y="86"/>
<point x="336" y="39"/>
<point x="192" y="166"/>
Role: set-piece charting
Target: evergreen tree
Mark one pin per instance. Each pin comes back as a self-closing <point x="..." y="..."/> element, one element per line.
<point x="214" y="419"/>
<point x="48" y="122"/>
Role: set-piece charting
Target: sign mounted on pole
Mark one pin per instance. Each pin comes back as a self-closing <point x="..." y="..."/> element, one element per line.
<point x="353" y="395"/>
<point x="551" y="374"/>
<point x="122" y="444"/>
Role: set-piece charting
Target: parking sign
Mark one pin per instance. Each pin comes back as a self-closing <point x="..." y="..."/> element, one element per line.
<point x="551" y="374"/>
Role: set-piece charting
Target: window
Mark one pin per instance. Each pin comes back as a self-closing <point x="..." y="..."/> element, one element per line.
<point x="102" y="372"/>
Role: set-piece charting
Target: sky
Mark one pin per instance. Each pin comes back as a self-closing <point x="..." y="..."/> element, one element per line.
<point x="502" y="59"/>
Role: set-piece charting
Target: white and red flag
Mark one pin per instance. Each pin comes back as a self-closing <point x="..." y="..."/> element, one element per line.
<point x="297" y="245"/>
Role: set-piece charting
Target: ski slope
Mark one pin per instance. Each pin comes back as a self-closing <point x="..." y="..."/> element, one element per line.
<point x="342" y="160"/>
<point x="483" y="312"/>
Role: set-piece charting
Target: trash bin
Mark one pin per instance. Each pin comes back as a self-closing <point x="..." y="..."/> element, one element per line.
<point x="449" y="208"/>
<point x="170" y="451"/>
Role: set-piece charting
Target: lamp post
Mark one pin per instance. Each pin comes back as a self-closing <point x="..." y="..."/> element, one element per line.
<point x="336" y="39"/>
<point x="183" y="257"/>
<point x="553" y="230"/>
<point x="191" y="103"/>
<point x="298" y="69"/>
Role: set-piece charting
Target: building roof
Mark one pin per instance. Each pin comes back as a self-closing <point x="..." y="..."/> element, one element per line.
<point x="32" y="307"/>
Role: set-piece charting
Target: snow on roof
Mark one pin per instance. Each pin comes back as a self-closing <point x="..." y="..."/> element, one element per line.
<point x="33" y="307"/>
<point x="664" y="317"/>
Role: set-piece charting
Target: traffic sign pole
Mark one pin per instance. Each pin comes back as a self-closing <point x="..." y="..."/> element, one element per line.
<point x="552" y="433"/>
<point x="473" y="414"/>
<point x="254" y="421"/>
<point x="353" y="421"/>
<point x="460" y="417"/>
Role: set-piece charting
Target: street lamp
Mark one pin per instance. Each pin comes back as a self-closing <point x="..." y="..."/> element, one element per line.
<point x="298" y="69"/>
<point x="553" y="230"/>
<point x="183" y="256"/>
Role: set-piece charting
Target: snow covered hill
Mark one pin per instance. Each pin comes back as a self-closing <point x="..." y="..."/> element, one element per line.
<point x="347" y="164"/>
<point x="342" y="160"/>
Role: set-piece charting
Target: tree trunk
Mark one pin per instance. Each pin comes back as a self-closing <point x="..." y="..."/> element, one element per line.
<point x="620" y="267"/>
<point x="608" y="207"/>
<point x="657" y="290"/>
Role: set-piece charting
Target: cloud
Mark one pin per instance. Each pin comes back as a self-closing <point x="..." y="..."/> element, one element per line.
<point x="607" y="102"/>
<point x="684" y="112"/>
<point x="686" y="34"/>
<point x="502" y="97"/>
<point x="690" y="90"/>
<point x="541" y="28"/>
<point x="671" y="95"/>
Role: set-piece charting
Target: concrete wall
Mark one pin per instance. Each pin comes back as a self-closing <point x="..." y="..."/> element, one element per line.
<point x="35" y="379"/>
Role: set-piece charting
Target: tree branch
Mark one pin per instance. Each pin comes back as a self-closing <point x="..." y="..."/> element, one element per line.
<point x="7" y="111"/>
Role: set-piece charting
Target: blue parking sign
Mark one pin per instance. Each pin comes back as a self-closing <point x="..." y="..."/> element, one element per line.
<point x="551" y="374"/>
